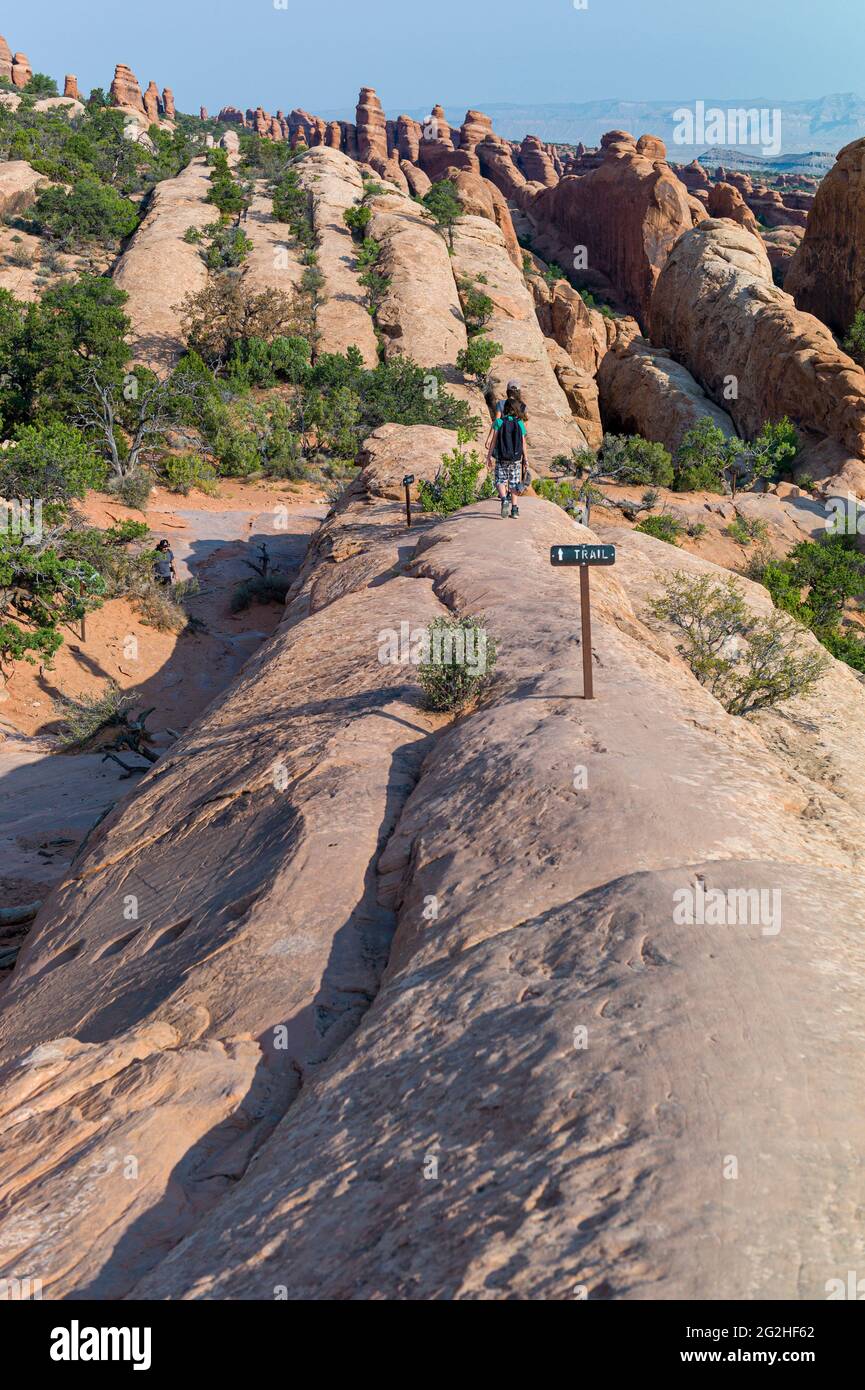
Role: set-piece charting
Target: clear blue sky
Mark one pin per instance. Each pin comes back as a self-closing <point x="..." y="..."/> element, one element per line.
<point x="317" y="53"/>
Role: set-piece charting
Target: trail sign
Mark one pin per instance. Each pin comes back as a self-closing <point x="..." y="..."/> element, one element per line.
<point x="584" y="556"/>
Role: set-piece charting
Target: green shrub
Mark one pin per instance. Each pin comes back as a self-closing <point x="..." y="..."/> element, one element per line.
<point x="183" y="472"/>
<point x="455" y="485"/>
<point x="52" y="461"/>
<point x="632" y="459"/>
<point x="702" y="456"/>
<point x="477" y="307"/>
<point x="663" y="528"/>
<point x="89" y="211"/>
<point x="746" y="529"/>
<point x="554" y="273"/>
<point x="357" y="219"/>
<point x="556" y="490"/>
<point x="747" y="662"/>
<point x="477" y="359"/>
<point x="461" y="657"/>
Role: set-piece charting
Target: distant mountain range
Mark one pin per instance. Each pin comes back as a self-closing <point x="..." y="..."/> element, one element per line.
<point x="824" y="124"/>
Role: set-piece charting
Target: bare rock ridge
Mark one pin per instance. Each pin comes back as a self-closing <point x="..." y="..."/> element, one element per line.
<point x="285" y="1021"/>
<point x="158" y="267"/>
<point x="717" y="310"/>
<point x="827" y="274"/>
<point x="644" y="391"/>
<point x="334" y="183"/>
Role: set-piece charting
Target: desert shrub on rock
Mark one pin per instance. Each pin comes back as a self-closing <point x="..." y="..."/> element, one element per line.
<point x="814" y="583"/>
<point x="662" y="526"/>
<point x="456" y="484"/>
<point x="477" y="358"/>
<point x="459" y="660"/>
<point x="442" y="200"/>
<point x="748" y="662"/>
<point x="88" y="212"/>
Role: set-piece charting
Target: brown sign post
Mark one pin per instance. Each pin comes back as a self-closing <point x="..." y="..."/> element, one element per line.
<point x="584" y="556"/>
<point x="407" y="482"/>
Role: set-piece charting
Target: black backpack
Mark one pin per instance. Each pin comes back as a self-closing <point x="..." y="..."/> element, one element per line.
<point x="509" y="440"/>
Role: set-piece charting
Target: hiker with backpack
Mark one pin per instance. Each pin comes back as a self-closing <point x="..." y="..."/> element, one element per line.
<point x="507" y="444"/>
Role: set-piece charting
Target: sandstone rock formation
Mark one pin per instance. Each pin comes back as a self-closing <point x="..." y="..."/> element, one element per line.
<point x="273" y="1030"/>
<point x="125" y="91"/>
<point x="627" y="214"/>
<point x="334" y="183"/>
<point x="159" y="268"/>
<point x="480" y="251"/>
<point x="725" y="200"/>
<point x="643" y="390"/>
<point x="717" y="310"/>
<point x="371" y="128"/>
<point x="475" y="128"/>
<point x="827" y="275"/>
<point x="536" y="163"/>
<point x="21" y="70"/>
<point x="585" y="334"/>
<point x="70" y="87"/>
<point x="5" y="60"/>
<point x="781" y="245"/>
<point x="149" y="107"/>
<point x="19" y="183"/>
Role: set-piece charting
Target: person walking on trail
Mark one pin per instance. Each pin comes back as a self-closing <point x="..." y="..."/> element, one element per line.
<point x="163" y="565"/>
<point x="507" y="444"/>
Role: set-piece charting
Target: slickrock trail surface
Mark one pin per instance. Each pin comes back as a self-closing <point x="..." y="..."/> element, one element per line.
<point x="717" y="310"/>
<point x="334" y="183"/>
<point x="273" y="263"/>
<point x="434" y="910"/>
<point x="480" y="251"/>
<point x="159" y="268"/>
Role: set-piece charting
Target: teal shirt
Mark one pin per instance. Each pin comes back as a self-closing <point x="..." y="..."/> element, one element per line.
<point x="497" y="424"/>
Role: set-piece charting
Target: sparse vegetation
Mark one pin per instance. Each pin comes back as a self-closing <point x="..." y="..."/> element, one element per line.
<point x="456" y="484"/>
<point x="748" y="662"/>
<point x="663" y="527"/>
<point x="443" y="202"/>
<point x="460" y="659"/>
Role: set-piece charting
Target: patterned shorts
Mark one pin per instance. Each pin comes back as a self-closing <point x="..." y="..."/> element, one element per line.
<point x="511" y="474"/>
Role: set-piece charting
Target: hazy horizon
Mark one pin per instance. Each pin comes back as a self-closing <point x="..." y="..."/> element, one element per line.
<point x="275" y="54"/>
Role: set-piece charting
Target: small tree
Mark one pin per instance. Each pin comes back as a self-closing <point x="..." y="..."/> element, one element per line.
<point x="225" y="312"/>
<point x="477" y="359"/>
<point x="704" y="456"/>
<point x="747" y="662"/>
<point x="357" y="219"/>
<point x="52" y="462"/>
<point x="477" y="307"/>
<point x="89" y="211"/>
<point x="443" y="202"/>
